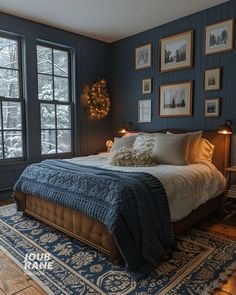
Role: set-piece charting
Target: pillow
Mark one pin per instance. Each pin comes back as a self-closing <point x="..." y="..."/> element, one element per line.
<point x="145" y="141"/>
<point x="120" y="143"/>
<point x="194" y="142"/>
<point x="132" y="157"/>
<point x="132" y="133"/>
<point x="171" y="149"/>
<point x="204" y="151"/>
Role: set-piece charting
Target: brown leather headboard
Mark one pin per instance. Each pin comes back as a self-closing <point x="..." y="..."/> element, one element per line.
<point x="221" y="143"/>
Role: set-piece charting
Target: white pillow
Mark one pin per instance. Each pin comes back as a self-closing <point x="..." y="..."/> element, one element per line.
<point x="132" y="157"/>
<point x="194" y="142"/>
<point x="144" y="141"/>
<point x="171" y="149"/>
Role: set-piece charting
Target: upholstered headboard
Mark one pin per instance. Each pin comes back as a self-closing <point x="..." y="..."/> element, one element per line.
<point x="222" y="147"/>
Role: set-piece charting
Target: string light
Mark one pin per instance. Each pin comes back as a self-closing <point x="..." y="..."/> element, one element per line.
<point x="97" y="100"/>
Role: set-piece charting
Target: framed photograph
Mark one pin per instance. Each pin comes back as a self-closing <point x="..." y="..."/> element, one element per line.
<point x="212" y="79"/>
<point x="219" y="37"/>
<point x="143" y="57"/>
<point x="176" y="52"/>
<point x="147" y="86"/>
<point x="212" y="107"/>
<point x="144" y="110"/>
<point x="176" y="99"/>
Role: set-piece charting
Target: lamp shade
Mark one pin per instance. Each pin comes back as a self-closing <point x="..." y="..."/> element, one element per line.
<point x="125" y="128"/>
<point x="226" y="128"/>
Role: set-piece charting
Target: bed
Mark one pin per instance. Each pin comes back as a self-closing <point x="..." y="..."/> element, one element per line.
<point x="186" y="208"/>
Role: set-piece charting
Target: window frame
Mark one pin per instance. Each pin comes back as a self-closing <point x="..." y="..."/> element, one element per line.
<point x="55" y="102"/>
<point x="21" y="99"/>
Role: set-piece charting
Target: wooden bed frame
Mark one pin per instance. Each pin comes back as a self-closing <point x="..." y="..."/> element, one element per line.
<point x="94" y="233"/>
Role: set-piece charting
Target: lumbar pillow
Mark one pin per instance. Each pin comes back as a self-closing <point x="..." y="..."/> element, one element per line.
<point x="194" y="142"/>
<point x="132" y="157"/>
<point x="205" y="151"/>
<point x="171" y="149"/>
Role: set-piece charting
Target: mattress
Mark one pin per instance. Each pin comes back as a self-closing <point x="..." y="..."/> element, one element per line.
<point x="187" y="187"/>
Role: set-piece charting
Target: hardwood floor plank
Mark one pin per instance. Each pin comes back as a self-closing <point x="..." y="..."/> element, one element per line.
<point x="230" y="286"/>
<point x="30" y="291"/>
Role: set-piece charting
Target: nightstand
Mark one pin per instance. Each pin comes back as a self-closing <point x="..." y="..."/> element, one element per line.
<point x="230" y="188"/>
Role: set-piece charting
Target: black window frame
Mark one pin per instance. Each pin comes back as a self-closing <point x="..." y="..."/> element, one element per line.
<point x="21" y="99"/>
<point x="55" y="102"/>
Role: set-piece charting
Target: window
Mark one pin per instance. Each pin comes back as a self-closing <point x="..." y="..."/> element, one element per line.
<point x="11" y="133"/>
<point x="54" y="94"/>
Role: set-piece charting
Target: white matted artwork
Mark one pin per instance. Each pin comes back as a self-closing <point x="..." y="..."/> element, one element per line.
<point x="212" y="79"/>
<point x="219" y="37"/>
<point x="144" y="110"/>
<point x="176" y="99"/>
<point x="176" y="52"/>
<point x="147" y="86"/>
<point x="212" y="107"/>
<point x="143" y="57"/>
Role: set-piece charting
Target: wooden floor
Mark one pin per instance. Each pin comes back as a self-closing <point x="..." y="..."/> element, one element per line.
<point x="14" y="281"/>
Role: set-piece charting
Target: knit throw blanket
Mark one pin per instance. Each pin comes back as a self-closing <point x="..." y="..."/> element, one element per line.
<point x="132" y="205"/>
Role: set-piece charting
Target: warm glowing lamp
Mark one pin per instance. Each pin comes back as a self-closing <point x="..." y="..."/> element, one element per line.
<point x="226" y="128"/>
<point x="125" y="128"/>
<point x="109" y="144"/>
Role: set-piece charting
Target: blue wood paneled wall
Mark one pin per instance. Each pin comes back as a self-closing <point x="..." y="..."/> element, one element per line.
<point x="89" y="62"/>
<point x="126" y="82"/>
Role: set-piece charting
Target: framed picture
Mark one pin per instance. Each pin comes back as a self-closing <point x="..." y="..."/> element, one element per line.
<point x="212" y="107"/>
<point x="176" y="52"/>
<point x="143" y="57"/>
<point x="144" y="110"/>
<point x="219" y="37"/>
<point x="212" y="79"/>
<point x="147" y="86"/>
<point x="176" y="99"/>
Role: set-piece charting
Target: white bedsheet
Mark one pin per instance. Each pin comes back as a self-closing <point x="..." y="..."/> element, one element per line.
<point x="187" y="187"/>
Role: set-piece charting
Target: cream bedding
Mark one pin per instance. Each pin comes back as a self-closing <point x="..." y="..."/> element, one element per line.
<point x="187" y="187"/>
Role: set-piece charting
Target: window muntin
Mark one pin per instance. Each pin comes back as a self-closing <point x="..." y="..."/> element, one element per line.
<point x="11" y="128"/>
<point x="54" y="95"/>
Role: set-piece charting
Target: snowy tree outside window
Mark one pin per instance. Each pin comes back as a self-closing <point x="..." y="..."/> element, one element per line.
<point x="11" y="141"/>
<point x="55" y="99"/>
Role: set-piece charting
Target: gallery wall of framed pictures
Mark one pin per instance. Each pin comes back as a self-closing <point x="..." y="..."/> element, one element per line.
<point x="176" y="52"/>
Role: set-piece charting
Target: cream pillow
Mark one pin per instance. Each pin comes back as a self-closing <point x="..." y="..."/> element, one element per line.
<point x="194" y="142"/>
<point x="132" y="157"/>
<point x="171" y="149"/>
<point x="205" y="151"/>
<point x="144" y="141"/>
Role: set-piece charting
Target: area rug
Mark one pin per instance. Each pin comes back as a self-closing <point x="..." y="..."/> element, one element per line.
<point x="200" y="263"/>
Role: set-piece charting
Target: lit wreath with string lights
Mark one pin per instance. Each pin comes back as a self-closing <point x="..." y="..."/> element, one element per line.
<point x="97" y="100"/>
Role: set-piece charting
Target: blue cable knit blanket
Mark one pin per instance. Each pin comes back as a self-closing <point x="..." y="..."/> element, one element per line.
<point x="132" y="205"/>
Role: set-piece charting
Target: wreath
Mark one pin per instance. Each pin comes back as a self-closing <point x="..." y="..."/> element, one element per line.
<point x="97" y="100"/>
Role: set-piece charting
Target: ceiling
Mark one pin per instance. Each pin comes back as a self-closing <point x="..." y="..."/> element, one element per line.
<point x="107" y="20"/>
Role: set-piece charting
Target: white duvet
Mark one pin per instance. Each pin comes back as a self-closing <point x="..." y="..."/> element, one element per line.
<point x="187" y="187"/>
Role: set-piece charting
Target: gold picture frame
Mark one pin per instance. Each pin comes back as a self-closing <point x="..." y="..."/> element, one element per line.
<point x="212" y="107"/>
<point x="219" y="37"/>
<point x="176" y="52"/>
<point x="143" y="56"/>
<point x="175" y="99"/>
<point x="212" y="79"/>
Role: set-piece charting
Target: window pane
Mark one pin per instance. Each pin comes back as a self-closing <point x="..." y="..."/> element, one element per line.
<point x="61" y="89"/>
<point x="63" y="116"/>
<point x="1" y="155"/>
<point x="60" y="62"/>
<point x="9" y="83"/>
<point x="48" y="142"/>
<point x="45" y="87"/>
<point x="11" y="115"/>
<point x="64" y="141"/>
<point x="8" y="53"/>
<point x="13" y="144"/>
<point x="47" y="116"/>
<point x="44" y="59"/>
<point x="0" y="117"/>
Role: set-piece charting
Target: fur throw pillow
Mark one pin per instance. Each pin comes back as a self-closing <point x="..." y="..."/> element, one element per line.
<point x="132" y="157"/>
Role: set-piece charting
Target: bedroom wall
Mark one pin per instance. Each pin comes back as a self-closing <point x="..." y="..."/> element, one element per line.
<point x="126" y="82"/>
<point x="90" y="62"/>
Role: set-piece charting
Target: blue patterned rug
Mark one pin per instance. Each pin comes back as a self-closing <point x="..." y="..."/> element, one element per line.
<point x="200" y="263"/>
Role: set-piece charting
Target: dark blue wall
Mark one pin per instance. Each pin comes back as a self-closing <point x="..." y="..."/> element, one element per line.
<point x="126" y="82"/>
<point x="90" y="62"/>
